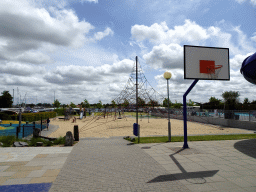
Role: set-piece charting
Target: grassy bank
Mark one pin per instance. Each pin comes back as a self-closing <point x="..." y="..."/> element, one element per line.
<point x="194" y="138"/>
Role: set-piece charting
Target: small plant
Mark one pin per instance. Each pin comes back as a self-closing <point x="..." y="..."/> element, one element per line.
<point x="60" y="140"/>
<point x="34" y="140"/>
<point x="48" y="143"/>
<point x="7" y="140"/>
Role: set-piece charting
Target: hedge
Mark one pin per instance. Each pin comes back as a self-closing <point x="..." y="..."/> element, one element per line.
<point x="34" y="116"/>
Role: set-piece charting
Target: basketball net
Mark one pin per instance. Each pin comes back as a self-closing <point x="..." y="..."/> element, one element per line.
<point x="213" y="71"/>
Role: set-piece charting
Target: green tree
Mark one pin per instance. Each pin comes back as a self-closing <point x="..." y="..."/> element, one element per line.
<point x="72" y="105"/>
<point x="165" y="102"/>
<point x="153" y="103"/>
<point x="141" y="102"/>
<point x="6" y="100"/>
<point x="177" y="105"/>
<point x="99" y="104"/>
<point x="246" y="101"/>
<point x="113" y="103"/>
<point x="231" y="98"/>
<point x="190" y="103"/>
<point x="214" y="102"/>
<point x="86" y="104"/>
<point x="126" y="103"/>
<point x="56" y="103"/>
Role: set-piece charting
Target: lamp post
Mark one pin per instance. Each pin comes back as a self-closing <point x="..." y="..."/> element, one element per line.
<point x="167" y="76"/>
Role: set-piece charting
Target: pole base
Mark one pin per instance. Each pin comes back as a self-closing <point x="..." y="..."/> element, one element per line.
<point x="185" y="146"/>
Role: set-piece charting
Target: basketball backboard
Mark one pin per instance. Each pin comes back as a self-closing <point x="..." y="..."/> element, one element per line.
<point x="206" y="63"/>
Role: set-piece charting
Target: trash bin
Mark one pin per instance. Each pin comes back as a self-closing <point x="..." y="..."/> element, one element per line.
<point x="135" y="129"/>
<point x="76" y="133"/>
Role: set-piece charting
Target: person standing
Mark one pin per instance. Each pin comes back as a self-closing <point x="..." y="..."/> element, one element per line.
<point x="48" y="122"/>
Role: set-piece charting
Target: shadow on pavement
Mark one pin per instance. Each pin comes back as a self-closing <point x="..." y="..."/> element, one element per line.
<point x="248" y="147"/>
<point x="184" y="175"/>
<point x="181" y="176"/>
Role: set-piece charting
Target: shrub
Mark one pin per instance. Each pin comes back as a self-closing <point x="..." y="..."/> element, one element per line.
<point x="48" y="143"/>
<point x="4" y="116"/>
<point x="60" y="140"/>
<point x="34" y="140"/>
<point x="7" y="140"/>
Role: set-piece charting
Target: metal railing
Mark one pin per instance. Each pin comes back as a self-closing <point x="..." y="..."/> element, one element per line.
<point x="23" y="131"/>
<point x="241" y="115"/>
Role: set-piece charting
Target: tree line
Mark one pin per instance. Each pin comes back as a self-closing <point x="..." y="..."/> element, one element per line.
<point x="230" y="101"/>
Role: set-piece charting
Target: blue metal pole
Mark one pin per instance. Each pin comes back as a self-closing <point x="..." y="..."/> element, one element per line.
<point x="185" y="113"/>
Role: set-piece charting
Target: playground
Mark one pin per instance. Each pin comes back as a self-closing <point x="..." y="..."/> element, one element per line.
<point x="98" y="126"/>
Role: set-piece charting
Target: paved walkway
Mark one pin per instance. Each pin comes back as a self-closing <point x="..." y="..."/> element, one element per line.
<point x="113" y="164"/>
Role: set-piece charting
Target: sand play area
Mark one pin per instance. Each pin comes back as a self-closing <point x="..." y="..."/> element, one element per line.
<point x="108" y="127"/>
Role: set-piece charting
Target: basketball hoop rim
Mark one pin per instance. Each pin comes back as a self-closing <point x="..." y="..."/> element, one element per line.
<point x="210" y="68"/>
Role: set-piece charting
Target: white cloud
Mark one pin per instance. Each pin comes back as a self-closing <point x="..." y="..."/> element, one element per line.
<point x="242" y="1"/>
<point x="91" y="1"/>
<point x="165" y="56"/>
<point x="18" y="69"/>
<point x="253" y="38"/>
<point x="26" y="30"/>
<point x="80" y="74"/>
<point x="160" y="33"/>
<point x="100" y="35"/>
<point x="237" y="60"/>
<point x="31" y="81"/>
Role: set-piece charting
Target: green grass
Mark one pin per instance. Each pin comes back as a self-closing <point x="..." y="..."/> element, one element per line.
<point x="194" y="138"/>
<point x="9" y="140"/>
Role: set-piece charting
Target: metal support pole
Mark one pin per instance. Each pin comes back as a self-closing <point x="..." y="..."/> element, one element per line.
<point x="169" y="123"/>
<point x="137" y="98"/>
<point x="185" y="113"/>
<point x="23" y="135"/>
<point x="20" y="118"/>
<point x="148" y="116"/>
<point x="41" y="123"/>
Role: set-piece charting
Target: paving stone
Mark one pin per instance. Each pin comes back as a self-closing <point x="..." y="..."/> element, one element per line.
<point x="41" y="156"/>
<point x="3" y="168"/>
<point x="36" y="173"/>
<point x="23" y="168"/>
<point x="116" y="162"/>
<point x="43" y="180"/>
<point x="224" y="185"/>
<point x="17" y="181"/>
<point x="6" y="174"/>
<point x="22" y="174"/>
<point x="3" y="179"/>
<point x="51" y="173"/>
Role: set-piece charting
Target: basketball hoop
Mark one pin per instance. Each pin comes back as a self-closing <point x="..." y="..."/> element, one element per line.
<point x="213" y="71"/>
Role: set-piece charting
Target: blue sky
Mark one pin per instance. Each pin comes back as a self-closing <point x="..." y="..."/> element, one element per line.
<point x="86" y="49"/>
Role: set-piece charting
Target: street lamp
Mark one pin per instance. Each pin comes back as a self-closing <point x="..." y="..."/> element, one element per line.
<point x="167" y="76"/>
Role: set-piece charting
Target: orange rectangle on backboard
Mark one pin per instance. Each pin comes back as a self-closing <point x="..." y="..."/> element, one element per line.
<point x="204" y="64"/>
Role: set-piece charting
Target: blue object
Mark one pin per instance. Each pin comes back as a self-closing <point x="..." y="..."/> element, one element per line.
<point x="248" y="69"/>
<point x="185" y="145"/>
<point x="11" y="130"/>
<point x="135" y="129"/>
<point x="37" y="187"/>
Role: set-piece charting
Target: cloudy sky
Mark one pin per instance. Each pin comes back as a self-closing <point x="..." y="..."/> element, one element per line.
<point x="85" y="49"/>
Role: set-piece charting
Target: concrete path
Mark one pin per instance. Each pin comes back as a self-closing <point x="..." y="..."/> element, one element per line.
<point x="114" y="165"/>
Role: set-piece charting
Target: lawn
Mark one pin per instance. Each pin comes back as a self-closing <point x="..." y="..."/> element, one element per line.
<point x="193" y="138"/>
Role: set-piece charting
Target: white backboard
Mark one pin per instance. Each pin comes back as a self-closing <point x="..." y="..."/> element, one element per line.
<point x="196" y="58"/>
